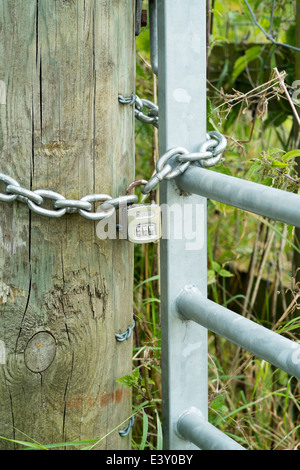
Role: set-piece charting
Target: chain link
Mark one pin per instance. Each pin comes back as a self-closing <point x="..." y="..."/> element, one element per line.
<point x="61" y="205"/>
<point x="176" y="161"/>
<point x="140" y="105"/>
<point x="151" y="117"/>
<point x="24" y="194"/>
<point x="10" y="182"/>
<point x="129" y="100"/>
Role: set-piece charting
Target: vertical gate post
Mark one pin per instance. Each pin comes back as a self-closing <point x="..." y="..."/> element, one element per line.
<point x="64" y="293"/>
<point x="182" y="122"/>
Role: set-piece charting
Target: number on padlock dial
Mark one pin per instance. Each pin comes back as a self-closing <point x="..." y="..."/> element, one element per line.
<point x="144" y="223"/>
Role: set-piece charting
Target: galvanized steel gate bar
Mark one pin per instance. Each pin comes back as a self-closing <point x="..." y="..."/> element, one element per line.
<point x="273" y="203"/>
<point x="186" y="311"/>
<point x="264" y="343"/>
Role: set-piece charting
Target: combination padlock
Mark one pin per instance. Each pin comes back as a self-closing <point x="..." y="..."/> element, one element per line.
<point x="143" y="220"/>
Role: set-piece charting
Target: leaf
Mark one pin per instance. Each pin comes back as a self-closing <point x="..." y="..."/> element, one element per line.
<point x="153" y="278"/>
<point x="253" y="53"/>
<point x="211" y="276"/>
<point x="30" y="445"/>
<point x="291" y="230"/>
<point x="129" y="380"/>
<point x="238" y="296"/>
<point x="225" y="273"/>
<point x="210" y="123"/>
<point x="219" y="404"/>
<point x="159" y="445"/>
<point x="268" y="181"/>
<point x="216" y="267"/>
<point x="145" y="430"/>
<point x="254" y="168"/>
<point x="274" y="151"/>
<point x="290" y="155"/>
<point x="224" y="170"/>
<point x="70" y="444"/>
<point x="214" y="10"/>
<point x="241" y="63"/>
<point x="126" y="380"/>
<point x="151" y="299"/>
<point x="277" y="164"/>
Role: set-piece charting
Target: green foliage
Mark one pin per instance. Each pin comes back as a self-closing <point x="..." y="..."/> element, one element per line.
<point x="130" y="380"/>
<point x="242" y="62"/>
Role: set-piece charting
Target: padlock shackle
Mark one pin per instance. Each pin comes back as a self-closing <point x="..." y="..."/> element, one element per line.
<point x="140" y="183"/>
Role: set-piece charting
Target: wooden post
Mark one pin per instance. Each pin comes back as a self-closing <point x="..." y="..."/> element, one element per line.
<point x="63" y="292"/>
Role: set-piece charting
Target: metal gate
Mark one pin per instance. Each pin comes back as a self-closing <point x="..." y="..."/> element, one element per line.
<point x="187" y="314"/>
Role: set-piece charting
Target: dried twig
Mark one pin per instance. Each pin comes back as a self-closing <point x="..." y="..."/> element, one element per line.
<point x="290" y="309"/>
<point x="282" y="84"/>
<point x="264" y="89"/>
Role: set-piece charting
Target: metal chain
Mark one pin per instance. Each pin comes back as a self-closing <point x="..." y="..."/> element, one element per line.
<point x="176" y="161"/>
<point x="140" y="104"/>
<point x="209" y="154"/>
<point x="170" y="165"/>
<point x="61" y="206"/>
<point x="129" y="100"/>
<point x="151" y="117"/>
<point x="126" y="335"/>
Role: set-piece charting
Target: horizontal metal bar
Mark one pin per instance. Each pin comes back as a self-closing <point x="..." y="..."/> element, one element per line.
<point x="253" y="197"/>
<point x="262" y="342"/>
<point x="194" y="428"/>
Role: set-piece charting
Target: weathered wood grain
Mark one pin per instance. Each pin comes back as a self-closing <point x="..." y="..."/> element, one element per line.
<point x="63" y="64"/>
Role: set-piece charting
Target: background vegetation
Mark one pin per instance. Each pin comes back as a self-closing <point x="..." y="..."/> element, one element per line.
<point x="252" y="261"/>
